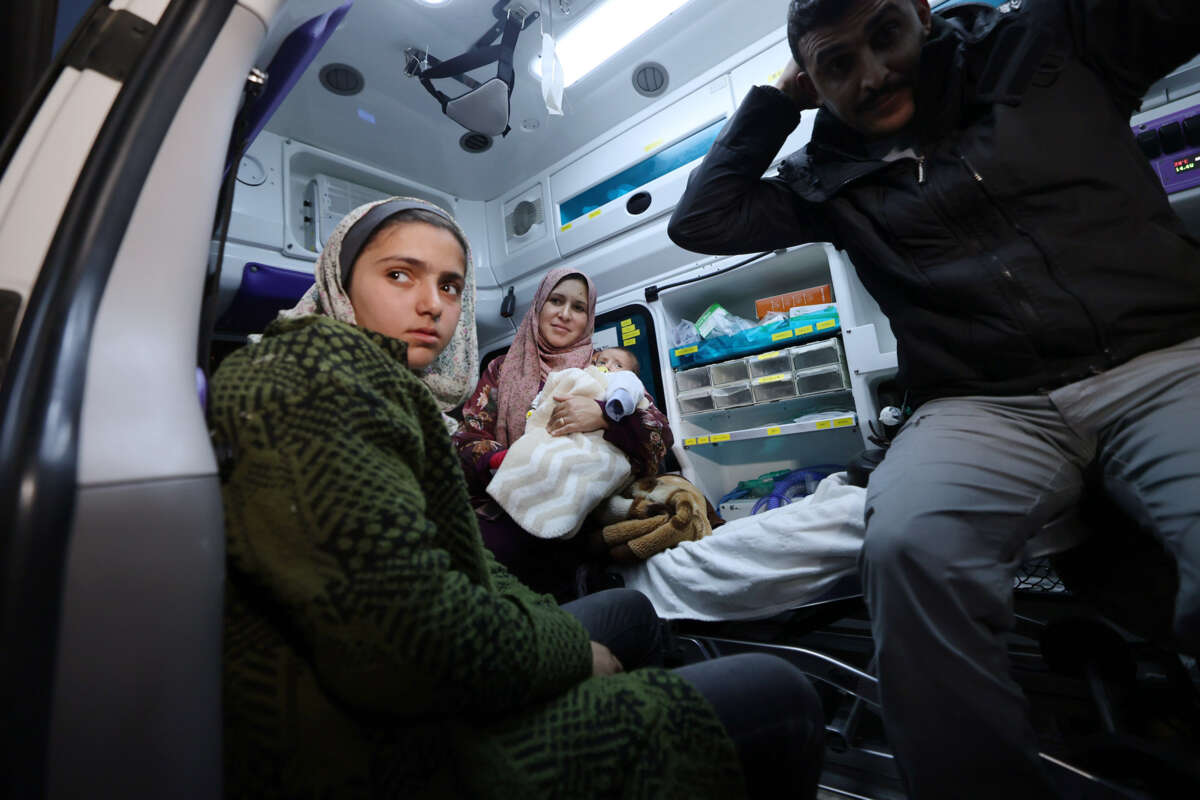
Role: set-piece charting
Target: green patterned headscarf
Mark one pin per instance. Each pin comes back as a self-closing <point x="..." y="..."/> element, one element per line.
<point x="452" y="374"/>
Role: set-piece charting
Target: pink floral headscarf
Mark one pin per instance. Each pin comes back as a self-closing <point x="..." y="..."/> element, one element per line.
<point x="531" y="358"/>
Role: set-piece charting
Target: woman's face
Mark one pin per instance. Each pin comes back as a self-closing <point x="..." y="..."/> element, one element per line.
<point x="407" y="284"/>
<point x="563" y="318"/>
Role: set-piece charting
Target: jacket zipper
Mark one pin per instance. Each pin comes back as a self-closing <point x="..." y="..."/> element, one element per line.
<point x="1097" y="332"/>
<point x="1016" y="292"/>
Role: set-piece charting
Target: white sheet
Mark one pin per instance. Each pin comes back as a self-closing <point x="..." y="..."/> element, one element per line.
<point x="761" y="565"/>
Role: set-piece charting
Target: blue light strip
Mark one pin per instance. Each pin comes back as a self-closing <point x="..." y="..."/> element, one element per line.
<point x="629" y="180"/>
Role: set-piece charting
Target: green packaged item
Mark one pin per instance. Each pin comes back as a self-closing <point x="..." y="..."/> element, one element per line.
<point x="712" y="319"/>
<point x="763" y="485"/>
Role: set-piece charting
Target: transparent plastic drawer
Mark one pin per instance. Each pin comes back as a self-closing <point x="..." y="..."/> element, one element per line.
<point x="729" y="372"/>
<point x="773" y="387"/>
<point x="696" y="402"/>
<point x="821" y="379"/>
<point x="689" y="380"/>
<point x="773" y="363"/>
<point x="817" y="354"/>
<point x="735" y="394"/>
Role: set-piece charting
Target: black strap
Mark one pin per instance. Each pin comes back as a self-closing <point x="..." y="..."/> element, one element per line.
<point x="501" y="54"/>
<point x="508" y="46"/>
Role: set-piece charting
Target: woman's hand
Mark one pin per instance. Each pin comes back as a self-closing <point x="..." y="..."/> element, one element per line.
<point x="575" y="415"/>
<point x="603" y="661"/>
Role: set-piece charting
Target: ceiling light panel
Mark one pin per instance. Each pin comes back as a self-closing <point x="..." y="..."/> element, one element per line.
<point x="608" y="28"/>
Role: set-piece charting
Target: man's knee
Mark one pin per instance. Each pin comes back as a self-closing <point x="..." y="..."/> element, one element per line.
<point x="902" y="538"/>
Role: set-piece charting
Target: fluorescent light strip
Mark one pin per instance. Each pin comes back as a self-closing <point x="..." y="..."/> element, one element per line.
<point x="609" y="27"/>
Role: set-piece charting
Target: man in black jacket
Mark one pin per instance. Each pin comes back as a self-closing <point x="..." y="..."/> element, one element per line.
<point x="982" y="175"/>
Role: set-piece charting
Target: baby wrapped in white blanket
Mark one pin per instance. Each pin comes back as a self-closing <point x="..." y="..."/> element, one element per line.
<point x="549" y="484"/>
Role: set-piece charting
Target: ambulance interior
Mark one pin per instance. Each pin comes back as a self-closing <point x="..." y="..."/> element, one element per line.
<point x="592" y="189"/>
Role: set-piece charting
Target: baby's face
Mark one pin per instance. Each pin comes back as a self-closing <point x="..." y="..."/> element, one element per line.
<point x="613" y="361"/>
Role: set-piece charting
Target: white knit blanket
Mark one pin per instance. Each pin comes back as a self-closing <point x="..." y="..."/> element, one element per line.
<point x="761" y="565"/>
<point x="549" y="484"/>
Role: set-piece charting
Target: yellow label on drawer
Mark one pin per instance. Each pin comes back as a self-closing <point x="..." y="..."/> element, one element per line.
<point x="595" y="213"/>
<point x="652" y="145"/>
<point x="771" y="354"/>
<point x="779" y="337"/>
<point x="824" y="425"/>
<point x="702" y="440"/>
<point x="626" y="323"/>
<point x="843" y="422"/>
<point x="687" y="351"/>
<point x="689" y="442"/>
<point x="804" y="330"/>
<point x="774" y="431"/>
<point x="773" y="378"/>
<point x="718" y="437"/>
<point x="826" y="325"/>
<point x="566" y="227"/>
<point x="632" y="340"/>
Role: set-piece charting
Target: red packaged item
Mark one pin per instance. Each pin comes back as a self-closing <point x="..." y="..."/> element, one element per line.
<point x="783" y="302"/>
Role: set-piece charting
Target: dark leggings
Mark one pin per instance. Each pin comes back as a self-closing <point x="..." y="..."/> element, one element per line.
<point x="767" y="706"/>
<point x="547" y="566"/>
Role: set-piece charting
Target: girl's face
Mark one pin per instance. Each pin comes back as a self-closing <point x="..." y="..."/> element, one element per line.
<point x="407" y="284"/>
<point x="563" y="318"/>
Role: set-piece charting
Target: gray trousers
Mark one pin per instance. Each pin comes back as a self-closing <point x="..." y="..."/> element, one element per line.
<point x="965" y="484"/>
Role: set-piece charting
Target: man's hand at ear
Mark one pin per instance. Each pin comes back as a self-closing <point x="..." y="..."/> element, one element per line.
<point x="796" y="85"/>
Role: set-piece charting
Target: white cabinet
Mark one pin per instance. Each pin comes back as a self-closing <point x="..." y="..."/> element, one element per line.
<point x="727" y="426"/>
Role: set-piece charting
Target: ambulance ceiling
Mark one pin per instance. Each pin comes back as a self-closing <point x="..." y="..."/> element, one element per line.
<point x="393" y="123"/>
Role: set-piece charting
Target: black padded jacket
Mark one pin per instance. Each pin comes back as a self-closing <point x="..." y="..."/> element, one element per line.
<point x="1030" y="243"/>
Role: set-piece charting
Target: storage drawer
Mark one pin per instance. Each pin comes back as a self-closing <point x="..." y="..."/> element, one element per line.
<point x="820" y="380"/>
<point x="773" y="387"/>
<point x="729" y="372"/>
<point x="696" y="402"/>
<point x="735" y="394"/>
<point x="689" y="380"/>
<point x="772" y="363"/>
<point x="818" y="354"/>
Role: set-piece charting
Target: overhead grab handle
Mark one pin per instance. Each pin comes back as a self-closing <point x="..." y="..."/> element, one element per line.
<point x="485" y="108"/>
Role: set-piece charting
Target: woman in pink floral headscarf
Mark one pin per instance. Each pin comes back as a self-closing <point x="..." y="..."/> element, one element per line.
<point x="555" y="334"/>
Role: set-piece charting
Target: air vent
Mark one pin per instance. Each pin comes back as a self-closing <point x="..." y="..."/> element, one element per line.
<point x="650" y="79"/>
<point x="638" y="203"/>
<point x="475" y="142"/>
<point x="524" y="217"/>
<point x="341" y="79"/>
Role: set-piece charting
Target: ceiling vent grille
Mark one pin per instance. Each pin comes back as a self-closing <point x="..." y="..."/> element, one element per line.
<point x="650" y="79"/>
<point x="341" y="79"/>
<point x="475" y="142"/>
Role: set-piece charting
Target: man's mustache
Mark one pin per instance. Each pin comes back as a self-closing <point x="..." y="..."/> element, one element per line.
<point x="879" y="95"/>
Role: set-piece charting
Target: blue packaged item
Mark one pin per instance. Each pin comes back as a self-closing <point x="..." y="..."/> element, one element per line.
<point x="758" y="339"/>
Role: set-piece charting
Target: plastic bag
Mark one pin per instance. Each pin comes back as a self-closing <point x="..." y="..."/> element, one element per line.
<point x="684" y="333"/>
